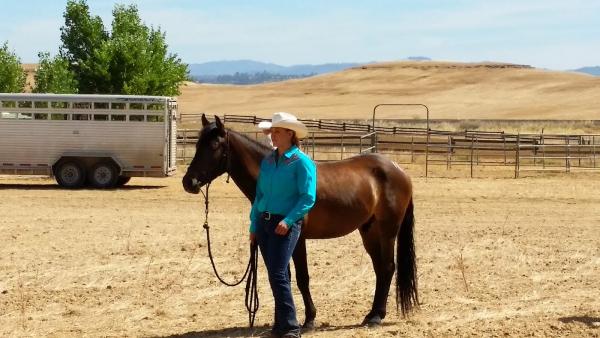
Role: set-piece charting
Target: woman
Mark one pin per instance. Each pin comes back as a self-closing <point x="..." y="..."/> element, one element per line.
<point x="285" y="192"/>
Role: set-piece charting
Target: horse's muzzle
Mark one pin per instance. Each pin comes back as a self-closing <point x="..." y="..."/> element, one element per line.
<point x="191" y="185"/>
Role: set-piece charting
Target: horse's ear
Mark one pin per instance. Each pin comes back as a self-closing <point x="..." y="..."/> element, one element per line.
<point x="204" y="120"/>
<point x="219" y="124"/>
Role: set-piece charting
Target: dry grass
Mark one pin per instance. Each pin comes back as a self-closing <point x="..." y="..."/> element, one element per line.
<point x="132" y="262"/>
<point x="451" y="90"/>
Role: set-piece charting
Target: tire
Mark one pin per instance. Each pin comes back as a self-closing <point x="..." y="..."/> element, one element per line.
<point x="103" y="175"/>
<point x="122" y="180"/>
<point x="70" y="174"/>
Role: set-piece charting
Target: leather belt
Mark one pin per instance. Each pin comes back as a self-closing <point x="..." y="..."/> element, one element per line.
<point x="266" y="215"/>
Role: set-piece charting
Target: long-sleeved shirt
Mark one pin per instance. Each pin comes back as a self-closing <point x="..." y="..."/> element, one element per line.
<point x="286" y="186"/>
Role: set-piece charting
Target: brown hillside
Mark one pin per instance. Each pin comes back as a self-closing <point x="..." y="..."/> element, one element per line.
<point x="451" y="90"/>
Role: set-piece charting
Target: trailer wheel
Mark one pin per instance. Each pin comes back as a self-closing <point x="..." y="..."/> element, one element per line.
<point x="122" y="180"/>
<point x="70" y="174"/>
<point x="104" y="175"/>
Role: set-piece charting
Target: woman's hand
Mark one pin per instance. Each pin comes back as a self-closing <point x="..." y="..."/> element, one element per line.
<point x="282" y="228"/>
<point x="252" y="238"/>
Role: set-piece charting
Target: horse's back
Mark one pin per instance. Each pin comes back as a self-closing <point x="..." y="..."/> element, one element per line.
<point x="350" y="191"/>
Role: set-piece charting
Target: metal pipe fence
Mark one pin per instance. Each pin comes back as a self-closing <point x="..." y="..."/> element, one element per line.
<point x="438" y="148"/>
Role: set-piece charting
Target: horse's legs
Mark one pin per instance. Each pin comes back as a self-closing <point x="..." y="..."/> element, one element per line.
<point x="381" y="250"/>
<point x="302" y="278"/>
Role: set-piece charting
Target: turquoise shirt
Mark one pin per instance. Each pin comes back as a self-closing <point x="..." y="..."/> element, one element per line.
<point x="286" y="186"/>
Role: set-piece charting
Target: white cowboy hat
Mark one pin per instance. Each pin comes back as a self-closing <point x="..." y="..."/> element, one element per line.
<point x="264" y="125"/>
<point x="287" y="121"/>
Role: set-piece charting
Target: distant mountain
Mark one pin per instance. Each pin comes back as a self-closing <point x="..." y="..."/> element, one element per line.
<point x="216" y="68"/>
<point x="418" y="58"/>
<point x="589" y="70"/>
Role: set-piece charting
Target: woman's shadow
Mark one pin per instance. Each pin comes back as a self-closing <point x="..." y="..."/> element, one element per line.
<point x="587" y="320"/>
<point x="41" y="187"/>
<point x="261" y="331"/>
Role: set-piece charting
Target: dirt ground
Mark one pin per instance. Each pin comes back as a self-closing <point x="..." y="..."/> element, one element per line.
<point x="496" y="257"/>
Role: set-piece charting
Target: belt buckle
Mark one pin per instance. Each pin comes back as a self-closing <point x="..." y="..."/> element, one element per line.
<point x="267" y="215"/>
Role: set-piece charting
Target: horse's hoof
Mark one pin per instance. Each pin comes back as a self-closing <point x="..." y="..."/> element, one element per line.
<point x="371" y="321"/>
<point x="309" y="325"/>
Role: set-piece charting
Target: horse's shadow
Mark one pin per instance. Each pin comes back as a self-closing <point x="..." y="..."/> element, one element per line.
<point x="587" y="320"/>
<point x="41" y="187"/>
<point x="262" y="331"/>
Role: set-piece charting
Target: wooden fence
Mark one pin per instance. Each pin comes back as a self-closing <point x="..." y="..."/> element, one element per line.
<point x="523" y="152"/>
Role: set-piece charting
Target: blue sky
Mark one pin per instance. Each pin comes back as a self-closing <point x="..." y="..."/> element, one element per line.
<point x="555" y="34"/>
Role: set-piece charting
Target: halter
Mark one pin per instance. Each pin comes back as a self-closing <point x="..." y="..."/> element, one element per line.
<point x="250" y="274"/>
<point x="226" y="156"/>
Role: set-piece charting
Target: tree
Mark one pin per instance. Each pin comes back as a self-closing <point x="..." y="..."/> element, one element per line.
<point x="133" y="59"/>
<point x="12" y="75"/>
<point x="84" y="47"/>
<point x="54" y="76"/>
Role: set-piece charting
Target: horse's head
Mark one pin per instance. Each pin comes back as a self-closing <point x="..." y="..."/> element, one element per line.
<point x="210" y="160"/>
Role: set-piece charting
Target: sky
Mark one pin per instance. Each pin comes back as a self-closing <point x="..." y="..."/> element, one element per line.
<point x="552" y="34"/>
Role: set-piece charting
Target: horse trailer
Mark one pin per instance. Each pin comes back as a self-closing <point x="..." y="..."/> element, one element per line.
<point x="100" y="140"/>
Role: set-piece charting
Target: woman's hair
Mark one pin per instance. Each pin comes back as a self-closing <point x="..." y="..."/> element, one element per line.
<point x="295" y="140"/>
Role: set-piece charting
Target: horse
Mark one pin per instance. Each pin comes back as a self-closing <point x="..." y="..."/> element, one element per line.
<point x="365" y="192"/>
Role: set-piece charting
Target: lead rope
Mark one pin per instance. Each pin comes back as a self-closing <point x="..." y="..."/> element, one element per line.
<point x="251" y="298"/>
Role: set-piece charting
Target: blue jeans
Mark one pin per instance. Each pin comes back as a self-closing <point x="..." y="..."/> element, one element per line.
<point x="276" y="251"/>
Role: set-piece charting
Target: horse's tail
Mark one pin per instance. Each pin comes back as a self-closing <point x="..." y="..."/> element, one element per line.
<point x="407" y="296"/>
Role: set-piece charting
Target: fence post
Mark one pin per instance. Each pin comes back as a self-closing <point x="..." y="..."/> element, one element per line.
<point x="504" y="147"/>
<point x="412" y="149"/>
<point x="579" y="150"/>
<point x="448" y="159"/>
<point x="427" y="154"/>
<point x="568" y="158"/>
<point x="360" y="145"/>
<point x="477" y="150"/>
<point x="594" y="150"/>
<point x="342" y="148"/>
<point x="517" y="155"/>
<point x="313" y="146"/>
<point x="543" y="145"/>
<point x="184" y="145"/>
<point x="472" y="148"/>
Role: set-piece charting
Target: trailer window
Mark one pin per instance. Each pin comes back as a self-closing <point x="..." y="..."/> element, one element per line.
<point x="100" y="117"/>
<point x="40" y="104"/>
<point x="40" y="116"/>
<point x="136" y="118"/>
<point x="9" y="104"/>
<point x="136" y="106"/>
<point x="25" y="104"/>
<point x="25" y="116"/>
<point x="117" y="105"/>
<point x="59" y="117"/>
<point x="155" y="106"/>
<point x="8" y="115"/>
<point x="81" y="117"/>
<point x="100" y="105"/>
<point x="155" y="118"/>
<point x="82" y="105"/>
<point x="118" y="117"/>
<point x="59" y="105"/>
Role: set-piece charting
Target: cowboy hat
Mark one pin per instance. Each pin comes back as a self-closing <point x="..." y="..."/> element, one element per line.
<point x="264" y="125"/>
<point x="287" y="121"/>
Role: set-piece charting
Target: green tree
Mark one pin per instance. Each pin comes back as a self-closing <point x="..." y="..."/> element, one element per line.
<point x="54" y="76"/>
<point x="12" y="75"/>
<point x="85" y="48"/>
<point x="133" y="59"/>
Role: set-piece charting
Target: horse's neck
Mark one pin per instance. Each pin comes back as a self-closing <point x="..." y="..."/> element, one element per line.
<point x="245" y="163"/>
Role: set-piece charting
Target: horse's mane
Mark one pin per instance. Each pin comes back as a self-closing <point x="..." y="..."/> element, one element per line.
<point x="252" y="143"/>
<point x="211" y="130"/>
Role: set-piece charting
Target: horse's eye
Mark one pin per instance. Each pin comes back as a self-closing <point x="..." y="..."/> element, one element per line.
<point x="214" y="144"/>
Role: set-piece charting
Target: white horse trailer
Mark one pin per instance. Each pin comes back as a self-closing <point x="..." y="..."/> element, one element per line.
<point x="101" y="140"/>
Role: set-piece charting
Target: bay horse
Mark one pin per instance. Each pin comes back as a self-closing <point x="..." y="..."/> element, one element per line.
<point x="367" y="192"/>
